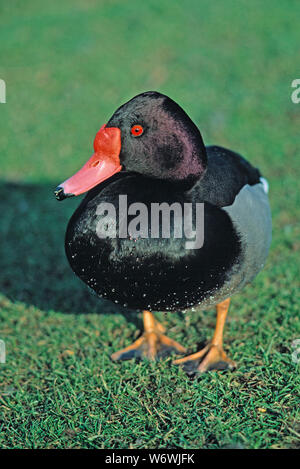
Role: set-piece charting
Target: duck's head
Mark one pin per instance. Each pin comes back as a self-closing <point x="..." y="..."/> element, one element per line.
<point x="149" y="135"/>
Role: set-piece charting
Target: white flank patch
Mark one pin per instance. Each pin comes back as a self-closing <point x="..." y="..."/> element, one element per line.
<point x="265" y="184"/>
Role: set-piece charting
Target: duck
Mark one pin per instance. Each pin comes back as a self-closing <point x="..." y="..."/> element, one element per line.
<point x="151" y="154"/>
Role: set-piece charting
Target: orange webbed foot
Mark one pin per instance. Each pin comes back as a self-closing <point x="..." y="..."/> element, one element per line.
<point x="153" y="344"/>
<point x="211" y="357"/>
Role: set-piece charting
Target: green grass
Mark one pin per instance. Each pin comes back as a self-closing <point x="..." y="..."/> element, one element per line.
<point x="67" y="66"/>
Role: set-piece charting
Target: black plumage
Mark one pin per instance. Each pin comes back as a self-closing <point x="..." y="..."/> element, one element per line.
<point x="151" y="152"/>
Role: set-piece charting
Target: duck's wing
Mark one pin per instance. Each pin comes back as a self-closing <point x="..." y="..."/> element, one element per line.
<point x="227" y="173"/>
<point x="235" y="186"/>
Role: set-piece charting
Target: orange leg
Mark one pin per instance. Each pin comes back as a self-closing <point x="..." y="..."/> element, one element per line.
<point x="211" y="357"/>
<point x="152" y="344"/>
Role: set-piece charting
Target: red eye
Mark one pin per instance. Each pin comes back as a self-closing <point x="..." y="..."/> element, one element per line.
<point x="137" y="130"/>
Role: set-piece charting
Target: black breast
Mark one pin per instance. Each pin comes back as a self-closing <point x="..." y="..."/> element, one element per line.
<point x="155" y="274"/>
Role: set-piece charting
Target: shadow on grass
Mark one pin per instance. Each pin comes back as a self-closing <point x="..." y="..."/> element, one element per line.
<point x="33" y="265"/>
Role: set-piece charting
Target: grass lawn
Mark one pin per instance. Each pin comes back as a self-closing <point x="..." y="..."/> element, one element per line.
<point x="67" y="66"/>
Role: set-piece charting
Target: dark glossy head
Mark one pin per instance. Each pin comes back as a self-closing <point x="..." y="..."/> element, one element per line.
<point x="150" y="135"/>
<point x="167" y="146"/>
